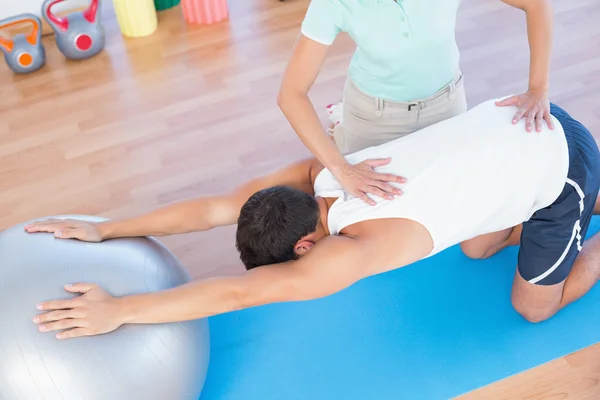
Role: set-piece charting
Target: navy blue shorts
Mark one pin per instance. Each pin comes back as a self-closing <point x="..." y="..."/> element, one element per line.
<point x="553" y="237"/>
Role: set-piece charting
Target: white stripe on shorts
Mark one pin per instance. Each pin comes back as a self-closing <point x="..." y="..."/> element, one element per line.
<point x="575" y="235"/>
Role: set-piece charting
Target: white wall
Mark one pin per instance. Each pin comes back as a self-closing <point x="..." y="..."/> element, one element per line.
<point x="9" y="8"/>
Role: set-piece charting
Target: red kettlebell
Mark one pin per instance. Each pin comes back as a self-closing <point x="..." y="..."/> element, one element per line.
<point x="79" y="35"/>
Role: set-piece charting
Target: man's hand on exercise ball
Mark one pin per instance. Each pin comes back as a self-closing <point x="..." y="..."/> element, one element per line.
<point x="361" y="179"/>
<point x="68" y="229"/>
<point x="93" y="312"/>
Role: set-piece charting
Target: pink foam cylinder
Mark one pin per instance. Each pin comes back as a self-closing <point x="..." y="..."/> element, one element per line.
<point x="204" y="11"/>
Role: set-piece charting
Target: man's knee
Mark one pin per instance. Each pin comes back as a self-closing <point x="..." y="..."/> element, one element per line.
<point x="535" y="302"/>
<point x="533" y="314"/>
<point x="474" y="250"/>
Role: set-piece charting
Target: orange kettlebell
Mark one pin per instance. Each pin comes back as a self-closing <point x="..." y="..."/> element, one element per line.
<point x="23" y="53"/>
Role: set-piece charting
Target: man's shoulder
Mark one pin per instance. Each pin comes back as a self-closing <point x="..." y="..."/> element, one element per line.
<point x="394" y="242"/>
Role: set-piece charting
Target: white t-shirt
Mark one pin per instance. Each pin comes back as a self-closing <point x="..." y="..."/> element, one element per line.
<point x="472" y="174"/>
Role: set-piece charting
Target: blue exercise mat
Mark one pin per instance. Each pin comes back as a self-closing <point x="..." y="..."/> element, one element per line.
<point x="432" y="330"/>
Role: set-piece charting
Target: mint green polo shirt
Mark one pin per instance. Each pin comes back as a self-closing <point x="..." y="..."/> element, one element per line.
<point x="405" y="50"/>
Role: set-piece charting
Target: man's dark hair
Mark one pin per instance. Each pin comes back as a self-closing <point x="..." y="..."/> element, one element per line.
<point x="271" y="222"/>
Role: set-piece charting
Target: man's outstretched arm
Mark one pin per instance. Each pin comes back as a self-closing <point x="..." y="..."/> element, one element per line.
<point x="194" y="215"/>
<point x="332" y="265"/>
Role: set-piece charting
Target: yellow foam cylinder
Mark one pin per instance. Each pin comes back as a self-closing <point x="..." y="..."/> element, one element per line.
<point x="137" y="18"/>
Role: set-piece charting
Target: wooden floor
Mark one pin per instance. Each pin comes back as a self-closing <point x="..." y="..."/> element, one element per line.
<point x="191" y="110"/>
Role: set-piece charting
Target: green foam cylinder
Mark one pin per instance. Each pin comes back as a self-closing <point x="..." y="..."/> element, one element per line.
<point x="165" y="4"/>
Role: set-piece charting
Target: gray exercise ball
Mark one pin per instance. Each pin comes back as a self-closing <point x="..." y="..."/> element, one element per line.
<point x="136" y="362"/>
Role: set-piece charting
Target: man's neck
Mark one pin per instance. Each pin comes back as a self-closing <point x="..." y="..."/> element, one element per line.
<point x="324" y="206"/>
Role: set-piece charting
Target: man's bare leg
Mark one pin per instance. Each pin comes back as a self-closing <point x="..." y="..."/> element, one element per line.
<point x="537" y="302"/>
<point x="487" y="245"/>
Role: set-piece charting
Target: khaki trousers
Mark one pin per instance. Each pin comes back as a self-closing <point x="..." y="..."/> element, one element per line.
<point x="369" y="121"/>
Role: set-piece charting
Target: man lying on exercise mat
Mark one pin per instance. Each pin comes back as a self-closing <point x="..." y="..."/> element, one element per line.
<point x="475" y="179"/>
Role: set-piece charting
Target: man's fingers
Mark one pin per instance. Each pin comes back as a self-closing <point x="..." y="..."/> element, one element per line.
<point x="58" y="304"/>
<point x="74" y="333"/>
<point x="67" y="304"/>
<point x="54" y="316"/>
<point x="44" y="226"/>
<point x="46" y="221"/>
<point x="62" y="325"/>
<point x="510" y="101"/>
<point x="80" y="287"/>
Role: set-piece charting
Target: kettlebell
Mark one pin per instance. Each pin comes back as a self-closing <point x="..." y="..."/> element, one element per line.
<point x="23" y="53"/>
<point x="79" y="35"/>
